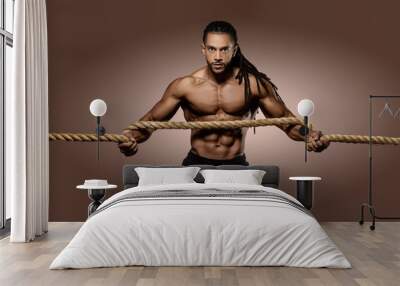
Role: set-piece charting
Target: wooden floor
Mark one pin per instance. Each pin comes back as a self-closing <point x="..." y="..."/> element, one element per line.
<point x="375" y="256"/>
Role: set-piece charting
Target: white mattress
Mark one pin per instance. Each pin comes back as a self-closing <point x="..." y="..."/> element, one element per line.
<point x="199" y="231"/>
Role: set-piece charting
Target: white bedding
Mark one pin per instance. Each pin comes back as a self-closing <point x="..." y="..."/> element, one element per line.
<point x="226" y="231"/>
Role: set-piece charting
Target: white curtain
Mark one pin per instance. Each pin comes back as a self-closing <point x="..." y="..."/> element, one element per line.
<point x="27" y="143"/>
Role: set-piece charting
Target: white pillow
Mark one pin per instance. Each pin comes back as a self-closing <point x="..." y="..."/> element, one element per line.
<point x="249" y="177"/>
<point x="162" y="176"/>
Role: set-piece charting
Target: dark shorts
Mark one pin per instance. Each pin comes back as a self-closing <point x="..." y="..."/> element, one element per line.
<point x="194" y="159"/>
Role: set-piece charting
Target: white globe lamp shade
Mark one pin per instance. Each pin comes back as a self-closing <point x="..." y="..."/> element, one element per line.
<point x="305" y="107"/>
<point x="98" y="107"/>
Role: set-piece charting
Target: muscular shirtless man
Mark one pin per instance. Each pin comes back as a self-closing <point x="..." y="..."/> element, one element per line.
<point x="229" y="87"/>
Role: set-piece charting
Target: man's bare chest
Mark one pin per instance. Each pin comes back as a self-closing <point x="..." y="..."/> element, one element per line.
<point x="208" y="99"/>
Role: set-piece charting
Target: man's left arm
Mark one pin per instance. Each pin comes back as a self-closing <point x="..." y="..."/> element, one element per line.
<point x="272" y="106"/>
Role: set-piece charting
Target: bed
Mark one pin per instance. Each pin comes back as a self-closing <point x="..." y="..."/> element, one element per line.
<point x="201" y="224"/>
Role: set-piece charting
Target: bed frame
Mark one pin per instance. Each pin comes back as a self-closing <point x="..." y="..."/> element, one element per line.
<point x="271" y="178"/>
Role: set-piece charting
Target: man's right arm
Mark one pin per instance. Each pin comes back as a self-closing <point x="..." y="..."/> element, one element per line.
<point x="163" y="110"/>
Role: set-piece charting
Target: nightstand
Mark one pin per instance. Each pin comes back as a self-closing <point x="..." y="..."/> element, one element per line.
<point x="96" y="192"/>
<point x="305" y="187"/>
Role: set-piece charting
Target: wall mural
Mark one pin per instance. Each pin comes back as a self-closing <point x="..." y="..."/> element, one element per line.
<point x="219" y="102"/>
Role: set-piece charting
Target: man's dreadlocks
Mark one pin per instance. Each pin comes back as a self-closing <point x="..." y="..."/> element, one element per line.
<point x="240" y="61"/>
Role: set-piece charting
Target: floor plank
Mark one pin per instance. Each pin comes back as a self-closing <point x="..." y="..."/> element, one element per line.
<point x="375" y="257"/>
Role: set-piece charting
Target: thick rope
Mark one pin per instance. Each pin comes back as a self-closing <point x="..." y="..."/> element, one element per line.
<point x="361" y="139"/>
<point x="231" y="124"/>
<point x="87" y="137"/>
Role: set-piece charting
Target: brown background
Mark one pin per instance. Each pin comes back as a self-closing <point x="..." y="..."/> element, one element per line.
<point x="126" y="52"/>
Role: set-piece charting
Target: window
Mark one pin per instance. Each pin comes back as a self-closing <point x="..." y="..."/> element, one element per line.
<point x="6" y="64"/>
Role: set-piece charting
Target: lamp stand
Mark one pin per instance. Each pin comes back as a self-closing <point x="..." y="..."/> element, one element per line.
<point x="100" y="131"/>
<point x="304" y="130"/>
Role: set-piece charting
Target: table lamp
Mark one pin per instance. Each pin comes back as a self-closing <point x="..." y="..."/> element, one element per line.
<point x="98" y="108"/>
<point x="305" y="109"/>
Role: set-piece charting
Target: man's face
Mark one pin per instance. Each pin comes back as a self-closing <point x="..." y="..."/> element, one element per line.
<point x="218" y="50"/>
